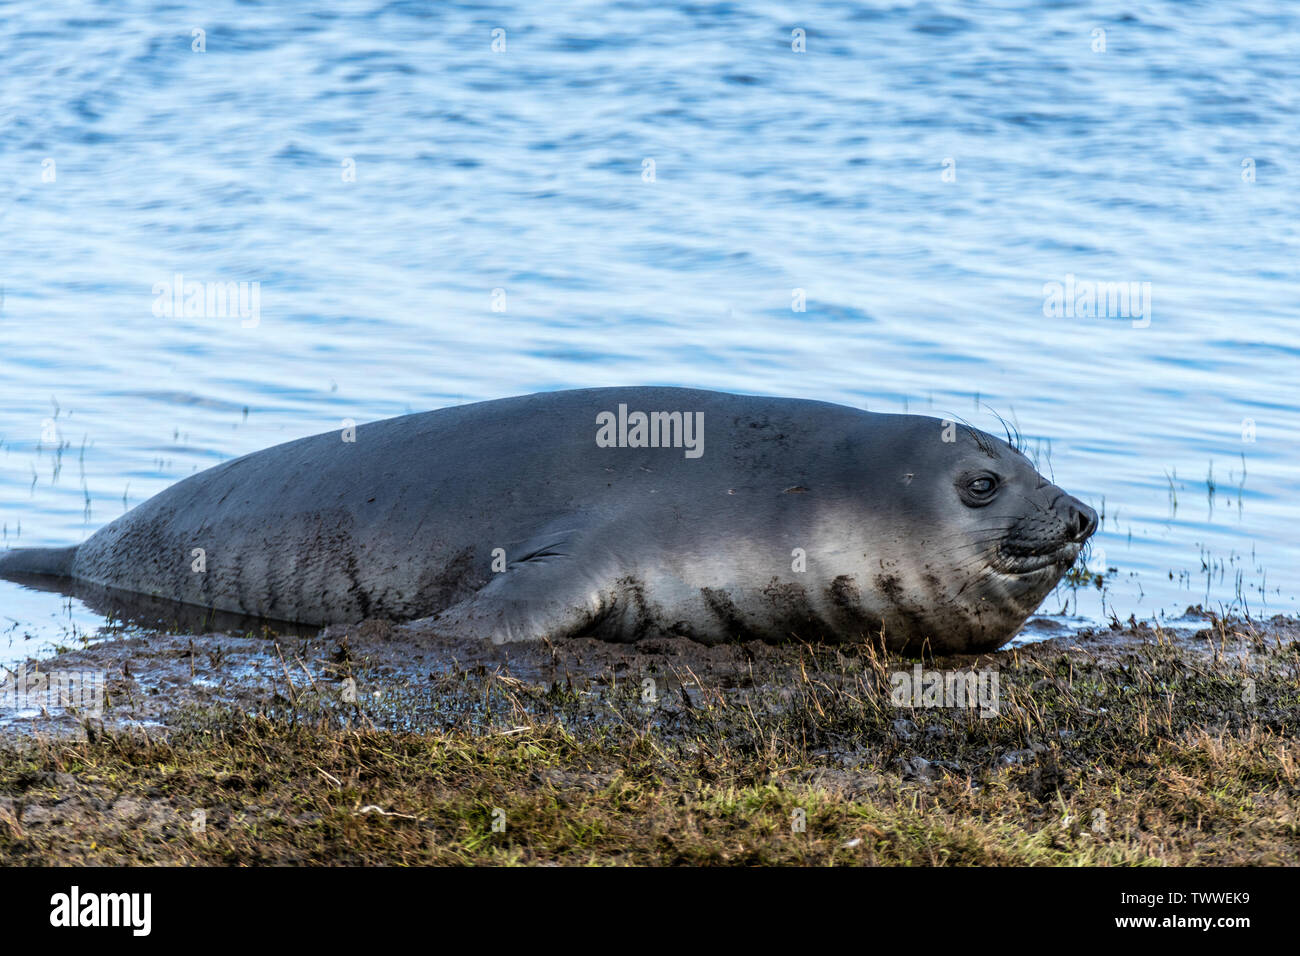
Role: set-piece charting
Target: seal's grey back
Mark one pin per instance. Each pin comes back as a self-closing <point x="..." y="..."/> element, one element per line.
<point x="403" y="521"/>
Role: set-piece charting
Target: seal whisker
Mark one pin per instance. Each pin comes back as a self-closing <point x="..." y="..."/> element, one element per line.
<point x="1034" y="504"/>
<point x="975" y="542"/>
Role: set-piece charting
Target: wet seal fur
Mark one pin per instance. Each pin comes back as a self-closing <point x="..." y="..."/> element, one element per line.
<point x="505" y="520"/>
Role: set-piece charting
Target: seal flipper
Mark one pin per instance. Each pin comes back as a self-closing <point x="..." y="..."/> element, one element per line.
<point x="555" y="590"/>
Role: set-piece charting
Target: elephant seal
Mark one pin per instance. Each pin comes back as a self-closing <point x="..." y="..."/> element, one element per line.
<point x="618" y="513"/>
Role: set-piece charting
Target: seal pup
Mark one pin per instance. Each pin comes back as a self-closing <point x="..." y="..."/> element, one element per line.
<point x="619" y="513"/>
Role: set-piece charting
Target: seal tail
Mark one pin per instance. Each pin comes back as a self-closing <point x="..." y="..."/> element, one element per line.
<point x="56" y="562"/>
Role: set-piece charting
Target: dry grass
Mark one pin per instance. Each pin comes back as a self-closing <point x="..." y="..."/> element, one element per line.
<point x="1112" y="751"/>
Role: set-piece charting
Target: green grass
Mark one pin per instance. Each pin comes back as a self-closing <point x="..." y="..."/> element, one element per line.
<point x="1143" y="754"/>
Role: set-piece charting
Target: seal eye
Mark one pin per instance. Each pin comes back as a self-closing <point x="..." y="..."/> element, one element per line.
<point x="978" y="489"/>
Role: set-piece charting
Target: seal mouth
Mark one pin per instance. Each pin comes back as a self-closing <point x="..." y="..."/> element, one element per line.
<point x="1019" y="559"/>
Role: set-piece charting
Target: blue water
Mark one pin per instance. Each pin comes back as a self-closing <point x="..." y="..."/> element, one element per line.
<point x="921" y="171"/>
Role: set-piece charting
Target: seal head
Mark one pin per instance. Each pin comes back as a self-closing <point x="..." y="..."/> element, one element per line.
<point x="985" y="540"/>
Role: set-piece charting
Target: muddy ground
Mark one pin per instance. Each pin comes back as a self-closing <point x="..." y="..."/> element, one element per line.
<point x="381" y="744"/>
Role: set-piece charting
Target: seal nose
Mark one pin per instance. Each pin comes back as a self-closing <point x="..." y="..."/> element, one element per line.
<point x="1080" y="520"/>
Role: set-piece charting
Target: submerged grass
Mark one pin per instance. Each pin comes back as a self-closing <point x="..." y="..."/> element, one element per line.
<point x="1141" y="751"/>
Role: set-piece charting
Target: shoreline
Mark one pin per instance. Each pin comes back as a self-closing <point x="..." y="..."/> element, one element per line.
<point x="377" y="744"/>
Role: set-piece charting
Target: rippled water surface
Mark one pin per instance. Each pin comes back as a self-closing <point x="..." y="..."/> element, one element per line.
<point x="921" y="173"/>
